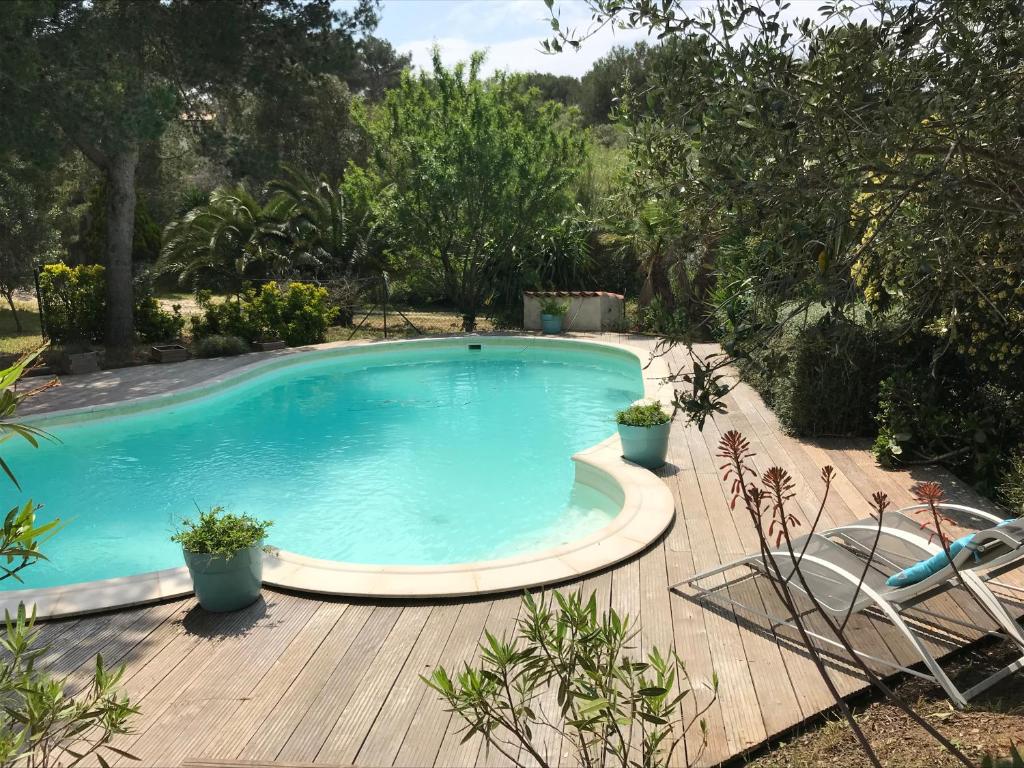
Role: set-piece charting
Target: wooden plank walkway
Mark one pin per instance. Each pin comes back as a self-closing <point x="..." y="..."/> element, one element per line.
<point x="307" y="681"/>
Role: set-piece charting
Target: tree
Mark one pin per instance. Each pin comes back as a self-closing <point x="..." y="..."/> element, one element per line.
<point x="26" y="227"/>
<point x="220" y="244"/>
<point x="378" y="68"/>
<point x="107" y="77"/>
<point x="318" y="220"/>
<point x="478" y="170"/>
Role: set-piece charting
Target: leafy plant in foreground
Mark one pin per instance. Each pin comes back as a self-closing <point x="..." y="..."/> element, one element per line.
<point x="41" y="723"/>
<point x="570" y="677"/>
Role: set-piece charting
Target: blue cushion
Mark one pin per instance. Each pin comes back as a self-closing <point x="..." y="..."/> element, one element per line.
<point x="922" y="570"/>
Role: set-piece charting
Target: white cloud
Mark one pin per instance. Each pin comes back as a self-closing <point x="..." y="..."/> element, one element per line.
<point x="525" y="54"/>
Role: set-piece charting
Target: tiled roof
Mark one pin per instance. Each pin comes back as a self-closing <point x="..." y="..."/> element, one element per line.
<point x="574" y="293"/>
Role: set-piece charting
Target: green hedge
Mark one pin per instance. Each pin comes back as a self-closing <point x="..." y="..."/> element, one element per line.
<point x="299" y="315"/>
<point x="822" y="378"/>
<point x="75" y="306"/>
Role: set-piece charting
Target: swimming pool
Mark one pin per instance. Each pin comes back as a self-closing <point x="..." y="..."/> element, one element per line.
<point x="413" y="454"/>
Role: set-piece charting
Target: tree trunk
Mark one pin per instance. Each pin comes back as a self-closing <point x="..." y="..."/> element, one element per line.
<point x="14" y="312"/>
<point x="120" y="336"/>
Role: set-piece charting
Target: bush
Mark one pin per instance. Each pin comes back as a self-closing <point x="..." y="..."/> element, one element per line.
<point x="1011" y="491"/>
<point x="220" y="533"/>
<point x="74" y="302"/>
<point x="217" y="345"/>
<point x="300" y="315"/>
<point x="75" y="306"/>
<point x="617" y="706"/>
<point x="948" y="416"/>
<point x="649" y="415"/>
<point x="823" y="378"/>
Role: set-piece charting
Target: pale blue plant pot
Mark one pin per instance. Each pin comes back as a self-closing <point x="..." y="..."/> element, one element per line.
<point x="226" y="583"/>
<point x="551" y="323"/>
<point x="646" y="446"/>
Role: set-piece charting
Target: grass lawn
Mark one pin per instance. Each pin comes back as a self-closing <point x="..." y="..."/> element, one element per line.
<point x="14" y="343"/>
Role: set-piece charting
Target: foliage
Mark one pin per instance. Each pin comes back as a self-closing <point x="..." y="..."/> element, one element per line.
<point x="221" y="533"/>
<point x="75" y="306"/>
<point x="378" y="69"/>
<point x="554" y="307"/>
<point x="644" y="415"/>
<point x="109" y="78"/>
<point x="804" y="166"/>
<point x="73" y="301"/>
<point x="27" y="231"/>
<point x="317" y="216"/>
<point x="92" y="244"/>
<point x="822" y="378"/>
<point x="972" y="426"/>
<point x="234" y="237"/>
<point x="613" y="707"/>
<point x="42" y="725"/>
<point x="477" y="174"/>
<point x="1012" y="489"/>
<point x="152" y="323"/>
<point x="216" y="345"/>
<point x="299" y="315"/>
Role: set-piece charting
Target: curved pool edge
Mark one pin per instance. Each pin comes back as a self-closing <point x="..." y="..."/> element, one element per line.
<point x="647" y="509"/>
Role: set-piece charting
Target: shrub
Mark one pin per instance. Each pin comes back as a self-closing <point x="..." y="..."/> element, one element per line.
<point x="74" y="302"/>
<point x="647" y="415"/>
<point x="299" y="315"/>
<point x="220" y="533"/>
<point x="554" y="307"/>
<point x="948" y="416"/>
<point x="616" y="706"/>
<point x="1011" y="491"/>
<point x="823" y="378"/>
<point x="217" y="345"/>
<point x="154" y="324"/>
<point x="75" y="306"/>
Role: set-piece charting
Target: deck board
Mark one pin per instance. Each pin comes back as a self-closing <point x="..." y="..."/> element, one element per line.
<point x="313" y="681"/>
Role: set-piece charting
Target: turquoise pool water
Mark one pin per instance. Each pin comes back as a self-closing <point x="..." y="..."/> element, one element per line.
<point x="417" y="455"/>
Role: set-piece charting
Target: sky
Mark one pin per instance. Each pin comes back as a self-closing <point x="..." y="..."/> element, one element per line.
<point x="509" y="30"/>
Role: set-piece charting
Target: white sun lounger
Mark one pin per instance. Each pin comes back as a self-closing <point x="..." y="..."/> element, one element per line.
<point x="832" y="573"/>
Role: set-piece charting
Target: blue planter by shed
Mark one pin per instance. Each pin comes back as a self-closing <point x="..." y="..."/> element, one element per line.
<point x="646" y="446"/>
<point x="551" y="323"/>
<point x="226" y="584"/>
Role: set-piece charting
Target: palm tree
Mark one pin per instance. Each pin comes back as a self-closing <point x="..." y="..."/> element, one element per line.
<point x="229" y="239"/>
<point x="318" y="223"/>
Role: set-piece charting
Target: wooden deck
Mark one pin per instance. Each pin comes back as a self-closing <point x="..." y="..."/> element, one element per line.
<point x="301" y="681"/>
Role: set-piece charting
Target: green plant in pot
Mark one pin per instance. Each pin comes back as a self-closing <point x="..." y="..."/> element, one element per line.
<point x="224" y="555"/>
<point x="643" y="430"/>
<point x="551" y="313"/>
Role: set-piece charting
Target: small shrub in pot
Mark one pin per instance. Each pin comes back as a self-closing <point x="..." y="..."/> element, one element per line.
<point x="551" y="313"/>
<point x="224" y="555"/>
<point x="644" y="430"/>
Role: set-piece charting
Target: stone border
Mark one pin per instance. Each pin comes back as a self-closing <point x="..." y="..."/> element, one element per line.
<point x="647" y="509"/>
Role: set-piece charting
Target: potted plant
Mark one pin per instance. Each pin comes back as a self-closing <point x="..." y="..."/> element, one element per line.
<point x="643" y="430"/>
<point x="551" y="313"/>
<point x="224" y="555"/>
